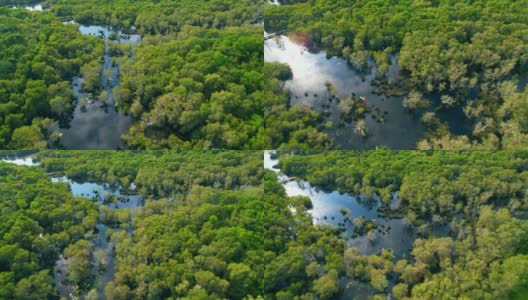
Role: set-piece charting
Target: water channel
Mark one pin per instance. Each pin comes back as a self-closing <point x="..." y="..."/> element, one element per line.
<point x="97" y="124"/>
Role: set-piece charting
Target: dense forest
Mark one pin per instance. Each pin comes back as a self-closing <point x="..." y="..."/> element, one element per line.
<point x="40" y="220"/>
<point x="160" y="17"/>
<point x="479" y="197"/>
<point x="303" y="261"/>
<point x="38" y="58"/>
<point x="199" y="235"/>
<point x="158" y="173"/>
<point x="201" y="88"/>
<point x="193" y="81"/>
<point x="467" y="54"/>
<point x="215" y="225"/>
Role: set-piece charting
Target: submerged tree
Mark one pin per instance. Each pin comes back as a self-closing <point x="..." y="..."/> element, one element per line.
<point x="415" y="101"/>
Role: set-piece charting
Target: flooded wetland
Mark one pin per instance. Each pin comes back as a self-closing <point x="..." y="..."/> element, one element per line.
<point x="321" y="82"/>
<point x="96" y="123"/>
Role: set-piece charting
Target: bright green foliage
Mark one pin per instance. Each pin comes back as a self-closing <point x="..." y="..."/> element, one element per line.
<point x="153" y="17"/>
<point x="490" y="264"/>
<point x="480" y="198"/>
<point x="309" y="263"/>
<point x="428" y="183"/>
<point x="158" y="173"/>
<point x="39" y="220"/>
<point x="441" y="42"/>
<point x="312" y="261"/>
<point x="38" y="58"/>
<point x="473" y="53"/>
<point x="198" y="89"/>
<point x="217" y="226"/>
<point x="199" y="234"/>
<point x="194" y="81"/>
<point x="208" y="240"/>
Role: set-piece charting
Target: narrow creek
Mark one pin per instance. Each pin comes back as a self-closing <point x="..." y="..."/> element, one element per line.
<point x="97" y="124"/>
<point x="113" y="197"/>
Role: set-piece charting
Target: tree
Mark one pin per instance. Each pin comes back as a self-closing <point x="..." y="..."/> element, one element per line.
<point x="79" y="270"/>
<point x="361" y="128"/>
<point x="415" y="101"/>
<point x="378" y="279"/>
<point x="91" y="74"/>
<point x="28" y="137"/>
<point x="36" y="286"/>
<point x="400" y="291"/>
<point x="326" y="286"/>
<point x="60" y="105"/>
<point x="240" y="280"/>
<point x="447" y="101"/>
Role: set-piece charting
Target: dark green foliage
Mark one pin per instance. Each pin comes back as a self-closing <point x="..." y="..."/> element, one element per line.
<point x="158" y="173"/>
<point x="490" y="263"/>
<point x="209" y="240"/>
<point x="301" y="259"/>
<point x="200" y="231"/>
<point x="153" y="17"/>
<point x="194" y="81"/>
<point x="428" y="183"/>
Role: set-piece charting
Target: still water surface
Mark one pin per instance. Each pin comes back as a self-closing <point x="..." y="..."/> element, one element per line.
<point x="400" y="128"/>
<point x="388" y="124"/>
<point x="327" y="207"/>
<point x="98" y="124"/>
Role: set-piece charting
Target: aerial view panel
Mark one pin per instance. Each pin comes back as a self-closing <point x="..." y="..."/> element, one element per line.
<point x="400" y="224"/>
<point x="131" y="74"/>
<point x="401" y="74"/>
<point x="132" y="225"/>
